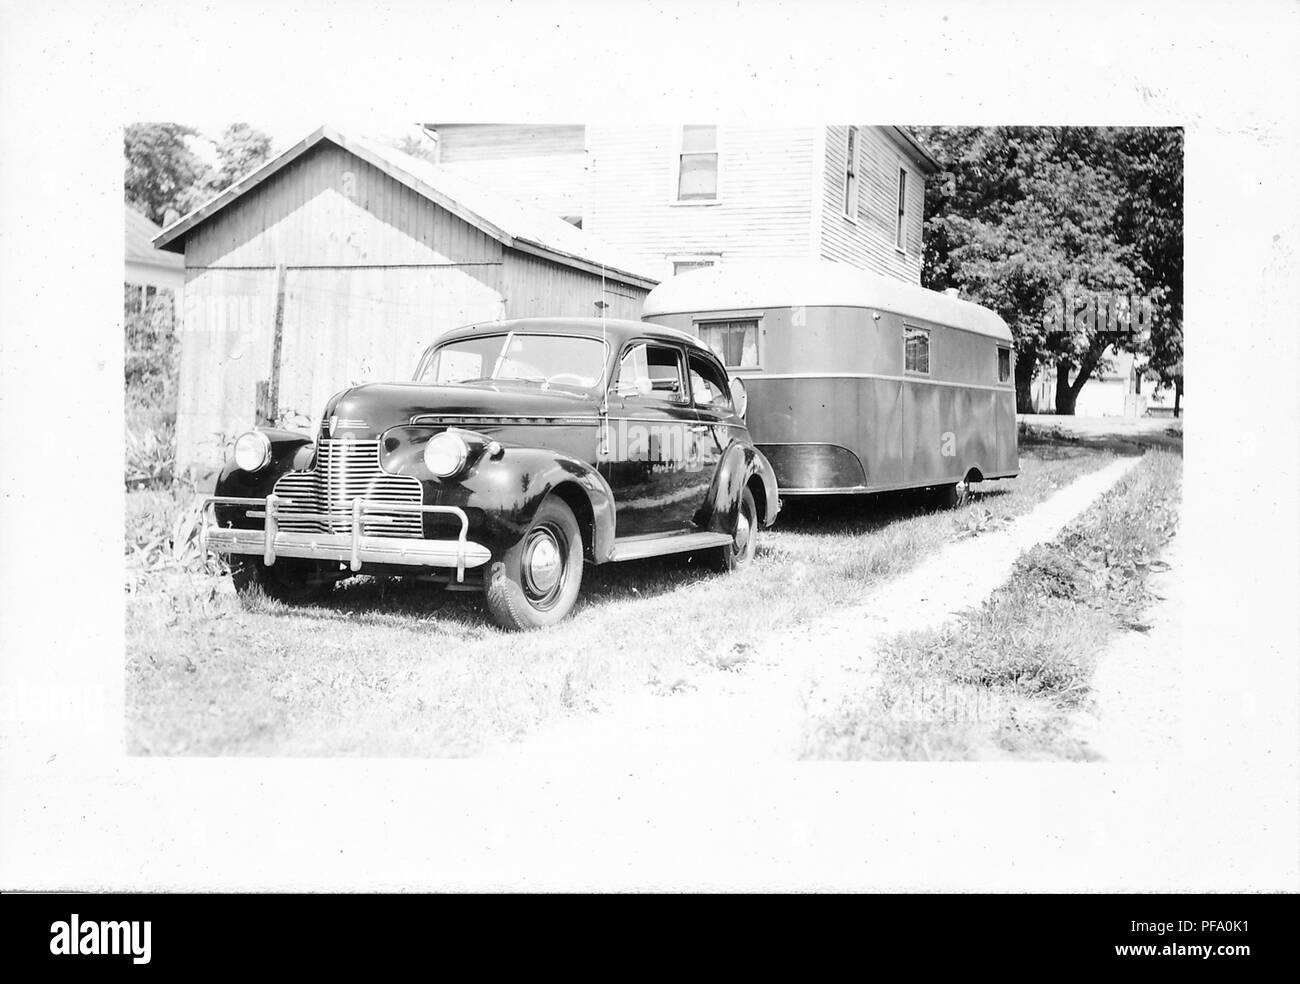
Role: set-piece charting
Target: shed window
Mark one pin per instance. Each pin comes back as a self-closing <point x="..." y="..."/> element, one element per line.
<point x="697" y="165"/>
<point x="851" y="175"/>
<point x="901" y="231"/>
<point x="735" y="342"/>
<point x="1004" y="365"/>
<point x="916" y="346"/>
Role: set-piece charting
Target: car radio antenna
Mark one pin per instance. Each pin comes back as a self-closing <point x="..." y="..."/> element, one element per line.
<point x="604" y="346"/>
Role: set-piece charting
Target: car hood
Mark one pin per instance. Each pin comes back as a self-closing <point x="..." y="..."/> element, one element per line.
<point x="367" y="411"/>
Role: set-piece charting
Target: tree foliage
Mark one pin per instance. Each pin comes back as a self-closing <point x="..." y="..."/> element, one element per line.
<point x="1152" y="219"/>
<point x="165" y="177"/>
<point x="240" y="151"/>
<point x="162" y="172"/>
<point x="1028" y="215"/>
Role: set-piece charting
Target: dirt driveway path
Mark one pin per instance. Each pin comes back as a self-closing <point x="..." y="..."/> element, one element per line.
<point x="755" y="711"/>
<point x="1136" y="707"/>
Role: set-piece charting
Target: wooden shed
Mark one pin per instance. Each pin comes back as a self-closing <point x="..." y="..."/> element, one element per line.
<point x="339" y="261"/>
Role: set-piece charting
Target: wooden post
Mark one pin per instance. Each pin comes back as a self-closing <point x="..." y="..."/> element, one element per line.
<point x="263" y="414"/>
<point x="269" y="406"/>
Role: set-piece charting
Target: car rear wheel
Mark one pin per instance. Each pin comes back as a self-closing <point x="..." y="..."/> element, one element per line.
<point x="536" y="581"/>
<point x="740" y="551"/>
<point x="295" y="582"/>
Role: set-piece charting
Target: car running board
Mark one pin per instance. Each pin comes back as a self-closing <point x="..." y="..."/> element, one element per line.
<point x="636" y="547"/>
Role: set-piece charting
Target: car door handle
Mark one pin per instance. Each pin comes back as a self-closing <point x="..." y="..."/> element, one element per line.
<point x="699" y="428"/>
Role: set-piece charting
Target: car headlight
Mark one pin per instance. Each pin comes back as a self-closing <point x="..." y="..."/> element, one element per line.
<point x="445" y="454"/>
<point x="253" y="451"/>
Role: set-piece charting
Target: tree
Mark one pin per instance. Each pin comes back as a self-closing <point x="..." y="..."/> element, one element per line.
<point x="1151" y="219"/>
<point x="1030" y="216"/>
<point x="241" y="150"/>
<point x="162" y="172"/>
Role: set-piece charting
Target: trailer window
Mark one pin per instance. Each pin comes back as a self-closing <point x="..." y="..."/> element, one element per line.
<point x="916" y="345"/>
<point x="734" y="342"/>
<point x="1004" y="365"/>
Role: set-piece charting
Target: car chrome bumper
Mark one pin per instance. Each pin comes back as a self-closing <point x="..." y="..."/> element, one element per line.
<point x="354" y="548"/>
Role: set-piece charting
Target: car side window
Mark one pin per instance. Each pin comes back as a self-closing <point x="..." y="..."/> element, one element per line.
<point x="653" y="372"/>
<point x="709" y="386"/>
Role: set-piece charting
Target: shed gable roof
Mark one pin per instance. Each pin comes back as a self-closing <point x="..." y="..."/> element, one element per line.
<point x="511" y="223"/>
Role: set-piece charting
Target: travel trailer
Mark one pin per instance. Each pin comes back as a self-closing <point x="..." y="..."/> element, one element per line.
<point x="855" y="382"/>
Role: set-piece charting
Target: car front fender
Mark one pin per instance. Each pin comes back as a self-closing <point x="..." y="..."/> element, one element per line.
<point x="290" y="451"/>
<point x="506" y="492"/>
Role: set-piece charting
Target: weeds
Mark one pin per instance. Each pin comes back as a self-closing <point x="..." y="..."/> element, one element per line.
<point x="1025" y="656"/>
<point x="163" y="541"/>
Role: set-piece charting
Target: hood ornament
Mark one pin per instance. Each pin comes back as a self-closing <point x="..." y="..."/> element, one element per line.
<point x="338" y="423"/>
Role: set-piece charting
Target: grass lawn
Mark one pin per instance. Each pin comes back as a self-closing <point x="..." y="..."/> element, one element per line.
<point x="1003" y="679"/>
<point x="386" y="667"/>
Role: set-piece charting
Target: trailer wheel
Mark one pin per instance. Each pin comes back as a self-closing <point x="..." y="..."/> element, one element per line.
<point x="295" y="582"/>
<point x="950" y="496"/>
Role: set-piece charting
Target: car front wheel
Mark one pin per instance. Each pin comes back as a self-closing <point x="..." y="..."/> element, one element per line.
<point x="536" y="581"/>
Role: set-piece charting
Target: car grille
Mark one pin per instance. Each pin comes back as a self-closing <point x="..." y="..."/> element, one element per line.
<point x="347" y="470"/>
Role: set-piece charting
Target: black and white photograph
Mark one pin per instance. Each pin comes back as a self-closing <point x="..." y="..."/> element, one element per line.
<point x="872" y="433"/>
<point x="651" y="480"/>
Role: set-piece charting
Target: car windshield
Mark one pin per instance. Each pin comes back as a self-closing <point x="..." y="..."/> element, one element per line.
<point x="546" y="360"/>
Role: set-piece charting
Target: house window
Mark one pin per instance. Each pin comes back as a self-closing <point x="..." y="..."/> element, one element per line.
<point x="1004" y="365"/>
<point x="851" y="176"/>
<point x="735" y="342"/>
<point x="697" y="165"/>
<point x="916" y="350"/>
<point x="686" y="266"/>
<point x="900" y="231"/>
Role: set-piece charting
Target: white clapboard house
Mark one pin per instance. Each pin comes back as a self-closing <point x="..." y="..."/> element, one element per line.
<point x="681" y="197"/>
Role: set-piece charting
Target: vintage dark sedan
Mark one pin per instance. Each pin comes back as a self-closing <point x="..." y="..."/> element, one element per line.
<point x="520" y="450"/>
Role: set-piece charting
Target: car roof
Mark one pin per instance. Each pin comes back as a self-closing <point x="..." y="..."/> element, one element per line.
<point x="616" y="330"/>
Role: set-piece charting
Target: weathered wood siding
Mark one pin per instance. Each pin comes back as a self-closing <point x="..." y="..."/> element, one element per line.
<point x="765" y="194"/>
<point x="869" y="242"/>
<point x="330" y="207"/>
<point x="374" y="273"/>
<point x="544" y="166"/>
<point x="537" y="286"/>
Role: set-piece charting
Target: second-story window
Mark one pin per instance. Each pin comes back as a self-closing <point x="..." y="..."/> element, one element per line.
<point x="851" y="175"/>
<point x="900" y="232"/>
<point x="697" y="165"/>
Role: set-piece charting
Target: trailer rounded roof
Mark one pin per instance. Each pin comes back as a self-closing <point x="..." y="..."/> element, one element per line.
<point x="804" y="283"/>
